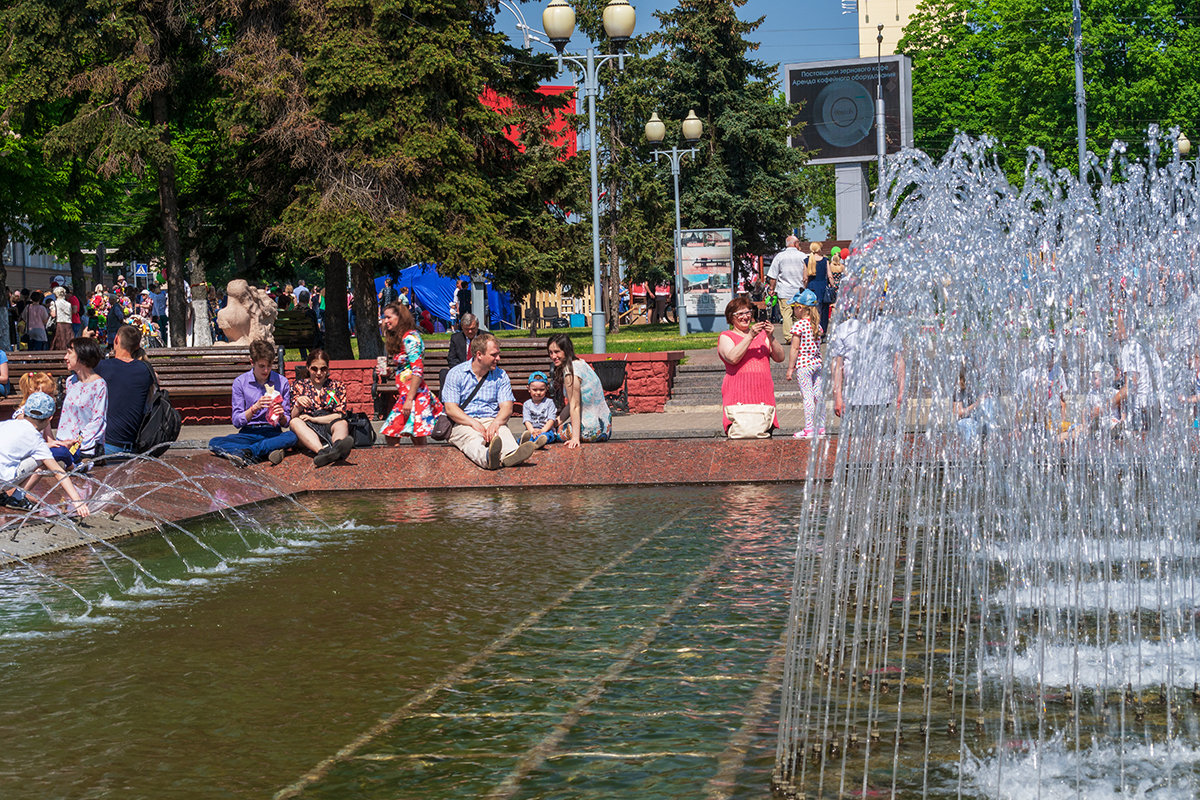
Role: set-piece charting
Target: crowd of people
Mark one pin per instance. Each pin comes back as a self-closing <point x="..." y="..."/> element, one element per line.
<point x="799" y="291"/>
<point x="1108" y="381"/>
<point x="476" y="401"/>
<point x="49" y="319"/>
<point x="101" y="414"/>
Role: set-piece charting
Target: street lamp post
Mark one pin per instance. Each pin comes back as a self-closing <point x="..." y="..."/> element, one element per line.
<point x="559" y="21"/>
<point x="656" y="130"/>
<point x="880" y="134"/>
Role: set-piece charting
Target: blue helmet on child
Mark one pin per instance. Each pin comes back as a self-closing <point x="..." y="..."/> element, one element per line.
<point x="806" y="298"/>
<point x="40" y="406"/>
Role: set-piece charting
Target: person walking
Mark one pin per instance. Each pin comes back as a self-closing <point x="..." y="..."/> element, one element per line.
<point x="785" y="279"/>
<point x="805" y="363"/>
<point x="816" y="270"/>
<point x="60" y="315"/>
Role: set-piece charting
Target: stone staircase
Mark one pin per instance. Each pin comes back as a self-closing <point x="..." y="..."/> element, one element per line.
<point x="698" y="386"/>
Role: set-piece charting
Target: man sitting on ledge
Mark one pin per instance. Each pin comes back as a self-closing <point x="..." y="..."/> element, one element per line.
<point x="129" y="380"/>
<point x="262" y="410"/>
<point x="479" y="400"/>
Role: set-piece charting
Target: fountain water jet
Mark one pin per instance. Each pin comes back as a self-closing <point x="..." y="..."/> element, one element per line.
<point x="972" y="612"/>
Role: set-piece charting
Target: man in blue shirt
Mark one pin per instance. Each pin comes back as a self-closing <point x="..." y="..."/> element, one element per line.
<point x="481" y="424"/>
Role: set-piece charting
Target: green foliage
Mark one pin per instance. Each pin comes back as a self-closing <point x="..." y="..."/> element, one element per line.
<point x="374" y="106"/>
<point x="745" y="177"/>
<point x="1006" y="68"/>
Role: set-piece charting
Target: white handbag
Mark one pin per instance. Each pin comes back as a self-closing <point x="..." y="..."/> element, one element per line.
<point x="750" y="420"/>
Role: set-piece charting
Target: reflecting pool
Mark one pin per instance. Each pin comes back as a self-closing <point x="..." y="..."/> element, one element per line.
<point x="591" y="643"/>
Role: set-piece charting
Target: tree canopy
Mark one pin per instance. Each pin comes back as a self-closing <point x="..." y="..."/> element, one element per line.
<point x="350" y="137"/>
<point x="1006" y="68"/>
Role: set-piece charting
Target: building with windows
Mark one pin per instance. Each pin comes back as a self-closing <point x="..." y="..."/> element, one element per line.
<point x="27" y="268"/>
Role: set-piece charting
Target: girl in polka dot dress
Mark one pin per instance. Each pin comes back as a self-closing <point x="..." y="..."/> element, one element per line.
<point x="805" y="362"/>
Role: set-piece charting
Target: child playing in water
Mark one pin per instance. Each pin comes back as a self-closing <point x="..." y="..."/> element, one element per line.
<point x="540" y="414"/>
<point x="805" y="362"/>
<point x="23" y="448"/>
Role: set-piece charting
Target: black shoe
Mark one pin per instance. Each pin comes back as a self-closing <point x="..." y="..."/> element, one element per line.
<point x="325" y="455"/>
<point x="17" y="503"/>
<point x="343" y="446"/>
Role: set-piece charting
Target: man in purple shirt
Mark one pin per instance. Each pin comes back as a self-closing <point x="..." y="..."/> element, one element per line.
<point x="260" y="434"/>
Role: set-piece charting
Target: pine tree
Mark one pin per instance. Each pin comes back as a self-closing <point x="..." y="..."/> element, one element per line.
<point x="745" y="177"/>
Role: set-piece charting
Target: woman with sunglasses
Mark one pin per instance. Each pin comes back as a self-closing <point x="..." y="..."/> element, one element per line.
<point x="747" y="350"/>
<point x="319" y="406"/>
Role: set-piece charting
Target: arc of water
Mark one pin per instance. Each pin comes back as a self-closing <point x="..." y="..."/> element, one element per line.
<point x="51" y="579"/>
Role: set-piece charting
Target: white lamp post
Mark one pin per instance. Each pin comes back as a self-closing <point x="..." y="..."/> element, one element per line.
<point x="656" y="131"/>
<point x="559" y="21"/>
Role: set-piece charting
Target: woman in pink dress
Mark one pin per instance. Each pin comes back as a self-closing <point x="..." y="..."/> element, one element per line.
<point x="747" y="349"/>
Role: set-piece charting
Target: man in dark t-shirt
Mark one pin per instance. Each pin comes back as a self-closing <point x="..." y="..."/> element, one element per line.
<point x="129" y="381"/>
<point x="463" y="295"/>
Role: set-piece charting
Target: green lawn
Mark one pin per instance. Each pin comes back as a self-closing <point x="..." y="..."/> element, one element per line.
<point x="636" y="339"/>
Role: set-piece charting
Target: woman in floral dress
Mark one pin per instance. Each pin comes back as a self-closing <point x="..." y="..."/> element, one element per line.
<point x="416" y="408"/>
<point x="319" y="411"/>
<point x="84" y="417"/>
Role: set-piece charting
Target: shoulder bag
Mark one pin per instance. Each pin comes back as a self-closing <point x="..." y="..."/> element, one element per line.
<point x="750" y="420"/>
<point x="443" y="425"/>
<point x="361" y="430"/>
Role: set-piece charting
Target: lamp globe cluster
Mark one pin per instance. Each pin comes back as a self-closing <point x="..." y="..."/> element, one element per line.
<point x="558" y="19"/>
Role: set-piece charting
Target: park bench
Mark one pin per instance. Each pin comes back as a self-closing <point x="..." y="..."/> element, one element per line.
<point x="518" y="357"/>
<point x="199" y="371"/>
<point x="181" y="371"/>
<point x="26" y="361"/>
<point x="296" y="328"/>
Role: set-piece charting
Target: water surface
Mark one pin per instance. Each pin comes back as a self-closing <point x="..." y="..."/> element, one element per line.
<point x="592" y="643"/>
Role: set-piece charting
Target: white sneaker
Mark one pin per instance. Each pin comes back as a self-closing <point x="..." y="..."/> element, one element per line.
<point x="821" y="431"/>
<point x="807" y="433"/>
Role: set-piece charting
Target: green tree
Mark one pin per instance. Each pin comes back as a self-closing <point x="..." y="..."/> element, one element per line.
<point x="745" y="177"/>
<point x="391" y="157"/>
<point x="1005" y="68"/>
<point x="139" y="60"/>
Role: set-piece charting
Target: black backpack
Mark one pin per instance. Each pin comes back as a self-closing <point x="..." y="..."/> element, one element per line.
<point x="160" y="422"/>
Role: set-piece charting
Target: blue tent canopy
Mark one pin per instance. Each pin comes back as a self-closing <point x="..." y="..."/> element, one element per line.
<point x="436" y="293"/>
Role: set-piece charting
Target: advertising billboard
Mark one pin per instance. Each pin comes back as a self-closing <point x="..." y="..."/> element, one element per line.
<point x="707" y="264"/>
<point x="835" y="105"/>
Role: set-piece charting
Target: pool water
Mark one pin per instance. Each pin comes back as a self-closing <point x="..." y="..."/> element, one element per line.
<point x="506" y="644"/>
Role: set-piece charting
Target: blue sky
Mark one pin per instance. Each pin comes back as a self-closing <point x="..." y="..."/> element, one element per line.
<point x="794" y="30"/>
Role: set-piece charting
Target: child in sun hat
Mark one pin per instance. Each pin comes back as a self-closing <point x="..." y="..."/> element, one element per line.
<point x="805" y="362"/>
<point x="539" y="413"/>
<point x="23" y="449"/>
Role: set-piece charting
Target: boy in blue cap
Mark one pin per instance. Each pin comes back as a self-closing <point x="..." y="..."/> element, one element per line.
<point x="23" y="447"/>
<point x="539" y="413"/>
